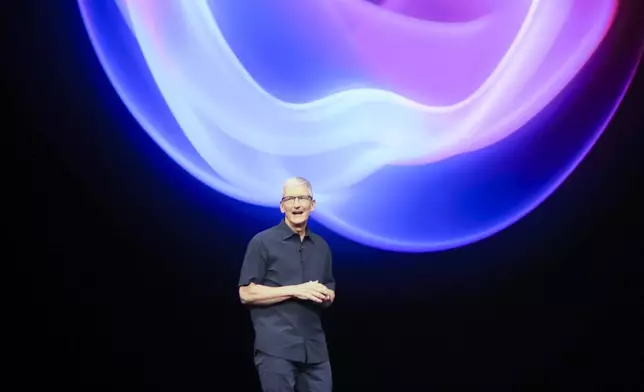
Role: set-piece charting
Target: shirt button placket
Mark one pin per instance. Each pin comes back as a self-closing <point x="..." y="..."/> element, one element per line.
<point x="302" y="261"/>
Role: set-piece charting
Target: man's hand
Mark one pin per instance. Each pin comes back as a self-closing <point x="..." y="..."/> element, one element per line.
<point x="331" y="296"/>
<point x="312" y="291"/>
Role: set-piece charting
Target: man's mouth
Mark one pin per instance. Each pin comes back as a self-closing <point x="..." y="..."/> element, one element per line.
<point x="298" y="212"/>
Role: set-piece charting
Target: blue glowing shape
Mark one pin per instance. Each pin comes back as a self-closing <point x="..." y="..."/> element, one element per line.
<point x="243" y="104"/>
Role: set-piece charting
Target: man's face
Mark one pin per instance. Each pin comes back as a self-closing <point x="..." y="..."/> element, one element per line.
<point x="297" y="204"/>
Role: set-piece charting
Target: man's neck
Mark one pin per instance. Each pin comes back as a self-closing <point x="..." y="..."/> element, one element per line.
<point x="299" y="230"/>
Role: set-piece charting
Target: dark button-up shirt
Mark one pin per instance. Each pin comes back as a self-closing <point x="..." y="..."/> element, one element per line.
<point x="290" y="329"/>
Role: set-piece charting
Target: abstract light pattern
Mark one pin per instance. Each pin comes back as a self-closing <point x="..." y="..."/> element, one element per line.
<point x="404" y="114"/>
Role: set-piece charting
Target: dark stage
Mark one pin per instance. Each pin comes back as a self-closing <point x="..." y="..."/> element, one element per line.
<point x="132" y="264"/>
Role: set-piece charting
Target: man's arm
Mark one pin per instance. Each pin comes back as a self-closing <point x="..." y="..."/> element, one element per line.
<point x="256" y="294"/>
<point x="252" y="274"/>
<point x="252" y="292"/>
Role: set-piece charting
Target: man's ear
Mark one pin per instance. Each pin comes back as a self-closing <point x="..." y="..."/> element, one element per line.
<point x="282" y="208"/>
<point x="313" y="205"/>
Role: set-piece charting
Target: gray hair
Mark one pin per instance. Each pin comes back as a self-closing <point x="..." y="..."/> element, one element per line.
<point x="295" y="181"/>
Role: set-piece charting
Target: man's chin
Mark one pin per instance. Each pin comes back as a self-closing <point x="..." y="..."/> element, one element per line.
<point x="298" y="220"/>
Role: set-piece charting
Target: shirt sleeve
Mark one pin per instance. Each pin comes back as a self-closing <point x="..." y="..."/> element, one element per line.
<point x="329" y="280"/>
<point x="254" y="264"/>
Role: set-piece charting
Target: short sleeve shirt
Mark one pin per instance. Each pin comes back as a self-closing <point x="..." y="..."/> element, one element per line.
<point x="290" y="329"/>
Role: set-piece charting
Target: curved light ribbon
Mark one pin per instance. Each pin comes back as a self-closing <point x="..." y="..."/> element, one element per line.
<point x="443" y="81"/>
<point x="218" y="104"/>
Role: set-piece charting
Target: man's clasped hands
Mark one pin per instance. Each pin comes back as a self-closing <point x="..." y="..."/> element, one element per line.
<point x="313" y="291"/>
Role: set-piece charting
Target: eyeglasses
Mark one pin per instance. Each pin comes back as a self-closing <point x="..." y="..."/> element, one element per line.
<point x="301" y="199"/>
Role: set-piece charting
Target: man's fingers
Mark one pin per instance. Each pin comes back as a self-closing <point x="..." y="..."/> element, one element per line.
<point x="316" y="291"/>
<point x="315" y="298"/>
<point x="318" y="287"/>
<point x="318" y="294"/>
<point x="321" y="288"/>
<point x="310" y="297"/>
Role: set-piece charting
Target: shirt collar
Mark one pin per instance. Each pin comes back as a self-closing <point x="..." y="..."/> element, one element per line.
<point x="287" y="232"/>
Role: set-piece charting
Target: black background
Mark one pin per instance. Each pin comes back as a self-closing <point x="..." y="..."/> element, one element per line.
<point x="132" y="264"/>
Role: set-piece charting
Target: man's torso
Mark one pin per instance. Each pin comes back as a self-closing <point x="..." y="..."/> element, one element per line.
<point x="291" y="329"/>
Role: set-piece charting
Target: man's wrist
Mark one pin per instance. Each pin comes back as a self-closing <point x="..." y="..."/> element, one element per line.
<point x="287" y="291"/>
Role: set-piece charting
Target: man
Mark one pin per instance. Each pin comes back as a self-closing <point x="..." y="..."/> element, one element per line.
<point x="287" y="280"/>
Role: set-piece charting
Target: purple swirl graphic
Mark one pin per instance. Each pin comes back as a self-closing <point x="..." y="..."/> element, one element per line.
<point x="422" y="125"/>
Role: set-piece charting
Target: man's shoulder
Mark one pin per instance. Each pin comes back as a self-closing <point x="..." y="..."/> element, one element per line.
<point x="318" y="239"/>
<point x="265" y="234"/>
